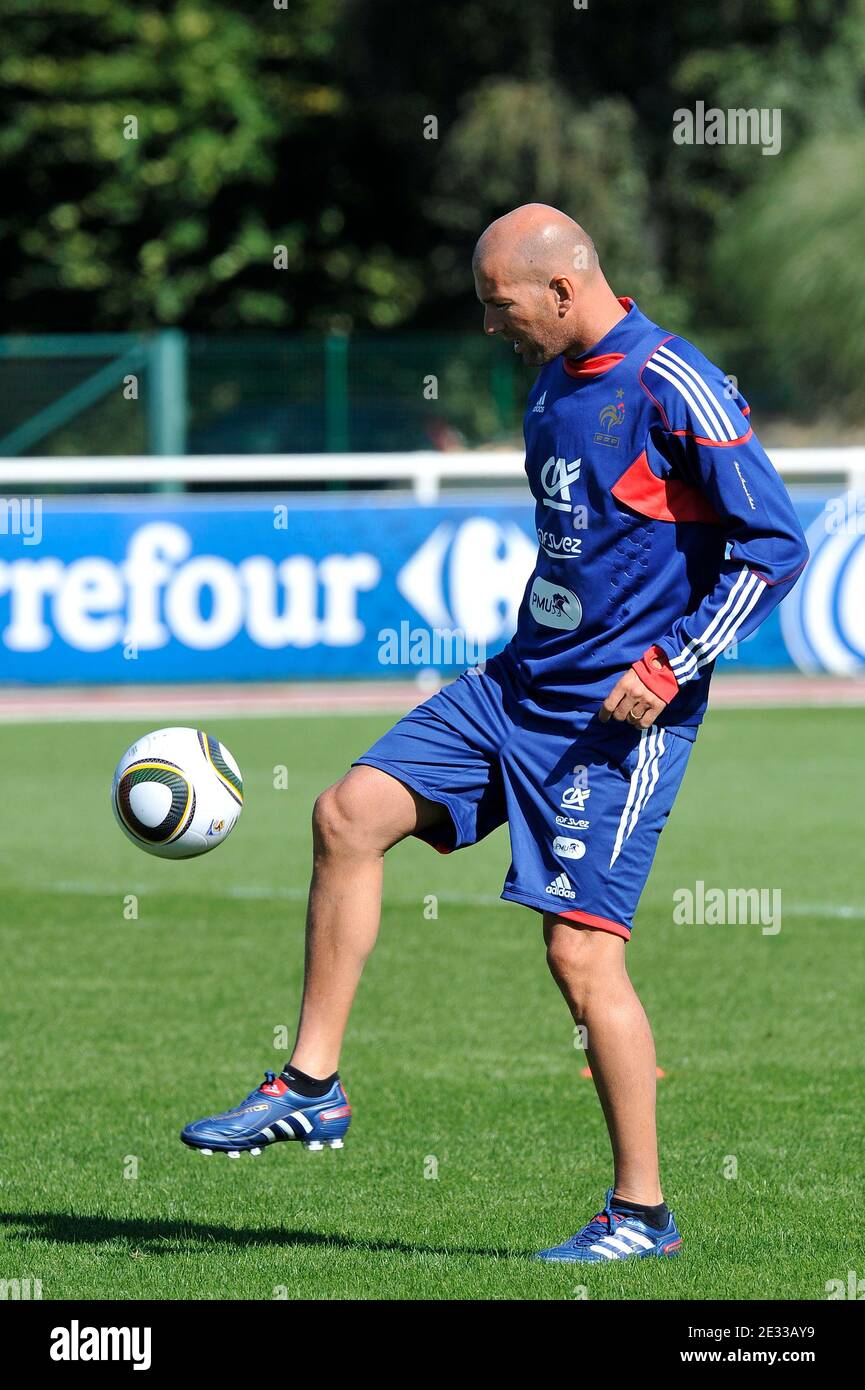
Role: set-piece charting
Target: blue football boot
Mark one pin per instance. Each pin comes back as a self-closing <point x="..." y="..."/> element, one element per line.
<point x="615" y="1235"/>
<point x="270" y="1114"/>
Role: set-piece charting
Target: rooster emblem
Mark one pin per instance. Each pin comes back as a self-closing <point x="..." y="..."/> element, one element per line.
<point x="612" y="416"/>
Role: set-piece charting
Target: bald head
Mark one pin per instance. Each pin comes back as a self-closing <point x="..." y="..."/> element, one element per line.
<point x="536" y="241"/>
<point x="537" y="274"/>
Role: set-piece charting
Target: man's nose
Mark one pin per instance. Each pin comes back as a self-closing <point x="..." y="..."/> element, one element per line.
<point x="492" y="323"/>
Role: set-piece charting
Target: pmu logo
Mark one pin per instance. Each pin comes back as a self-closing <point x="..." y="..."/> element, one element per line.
<point x="567" y="848"/>
<point x="557" y="477"/>
<point x="554" y="605"/>
<point x="823" y="619"/>
<point x="470" y="576"/>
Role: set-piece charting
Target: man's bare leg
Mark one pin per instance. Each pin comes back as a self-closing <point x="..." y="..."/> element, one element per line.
<point x="589" y="967"/>
<point x="354" y="823"/>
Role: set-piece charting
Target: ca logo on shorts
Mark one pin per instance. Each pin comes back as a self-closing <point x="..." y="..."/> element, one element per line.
<point x="576" y="796"/>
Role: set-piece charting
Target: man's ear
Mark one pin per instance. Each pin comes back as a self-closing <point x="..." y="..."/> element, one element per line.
<point x="564" y="292"/>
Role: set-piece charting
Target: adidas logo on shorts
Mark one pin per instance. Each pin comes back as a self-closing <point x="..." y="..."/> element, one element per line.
<point x="560" y="887"/>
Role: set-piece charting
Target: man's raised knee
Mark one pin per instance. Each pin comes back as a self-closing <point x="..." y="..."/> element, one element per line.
<point x="361" y="813"/>
<point x="333" y="818"/>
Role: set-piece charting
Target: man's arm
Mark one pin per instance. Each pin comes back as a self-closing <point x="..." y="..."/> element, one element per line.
<point x="766" y="550"/>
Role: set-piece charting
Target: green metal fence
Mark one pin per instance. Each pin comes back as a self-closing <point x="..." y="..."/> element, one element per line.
<point x="172" y="393"/>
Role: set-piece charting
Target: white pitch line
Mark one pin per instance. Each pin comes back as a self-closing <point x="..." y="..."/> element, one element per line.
<point x="197" y="714"/>
<point x="855" y="914"/>
<point x="245" y="892"/>
<point x="251" y="892"/>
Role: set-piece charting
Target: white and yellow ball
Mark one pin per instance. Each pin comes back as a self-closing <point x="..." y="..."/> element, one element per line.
<point x="177" y="793"/>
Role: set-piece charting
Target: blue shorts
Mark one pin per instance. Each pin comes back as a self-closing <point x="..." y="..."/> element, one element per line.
<point x="584" y="801"/>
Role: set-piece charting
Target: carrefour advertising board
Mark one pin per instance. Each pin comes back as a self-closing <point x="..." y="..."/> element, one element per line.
<point x="334" y="585"/>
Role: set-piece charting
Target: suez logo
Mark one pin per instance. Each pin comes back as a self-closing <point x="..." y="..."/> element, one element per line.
<point x="557" y="478"/>
<point x="566" y="846"/>
<point x="559" y="547"/>
<point x="77" y="1343"/>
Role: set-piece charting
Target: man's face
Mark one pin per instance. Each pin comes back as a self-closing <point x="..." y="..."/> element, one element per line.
<point x="524" y="311"/>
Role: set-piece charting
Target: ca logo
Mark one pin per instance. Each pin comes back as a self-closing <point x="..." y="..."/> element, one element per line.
<point x="557" y="476"/>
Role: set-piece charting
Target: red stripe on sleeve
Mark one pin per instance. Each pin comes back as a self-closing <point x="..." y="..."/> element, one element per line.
<point x="662" y="499"/>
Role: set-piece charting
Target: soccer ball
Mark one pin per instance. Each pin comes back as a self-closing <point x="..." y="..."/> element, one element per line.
<point x="177" y="793"/>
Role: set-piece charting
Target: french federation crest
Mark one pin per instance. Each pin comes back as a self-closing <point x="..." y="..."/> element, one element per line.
<point x="612" y="417"/>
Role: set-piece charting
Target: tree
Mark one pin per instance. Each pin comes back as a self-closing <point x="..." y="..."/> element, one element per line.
<point x="142" y="158"/>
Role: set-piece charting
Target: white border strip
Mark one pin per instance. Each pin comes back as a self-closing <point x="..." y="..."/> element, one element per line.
<point x="424" y="470"/>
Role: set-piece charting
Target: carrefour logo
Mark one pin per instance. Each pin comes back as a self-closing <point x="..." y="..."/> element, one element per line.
<point x="823" y="618"/>
<point x="470" y="576"/>
<point x="160" y="591"/>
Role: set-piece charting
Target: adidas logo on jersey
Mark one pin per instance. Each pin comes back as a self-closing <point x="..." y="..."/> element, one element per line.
<point x="560" y="887"/>
<point x="538" y="407"/>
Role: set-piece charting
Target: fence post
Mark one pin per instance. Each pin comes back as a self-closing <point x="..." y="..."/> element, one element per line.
<point x="336" y="393"/>
<point x="166" y="393"/>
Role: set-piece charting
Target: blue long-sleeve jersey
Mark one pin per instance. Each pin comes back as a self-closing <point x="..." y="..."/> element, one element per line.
<point x="661" y="522"/>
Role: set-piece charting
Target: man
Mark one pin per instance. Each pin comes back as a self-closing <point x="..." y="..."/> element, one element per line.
<point x="664" y="534"/>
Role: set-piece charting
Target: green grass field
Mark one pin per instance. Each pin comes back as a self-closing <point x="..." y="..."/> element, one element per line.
<point x="117" y="1032"/>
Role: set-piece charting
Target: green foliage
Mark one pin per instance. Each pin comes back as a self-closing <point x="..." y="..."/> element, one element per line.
<point x="526" y="141"/>
<point x="328" y="164"/>
<point x="143" y="153"/>
<point x="794" y="254"/>
<point x="766" y="245"/>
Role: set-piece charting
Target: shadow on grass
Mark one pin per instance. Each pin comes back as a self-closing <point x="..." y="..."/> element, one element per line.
<point x="170" y="1237"/>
